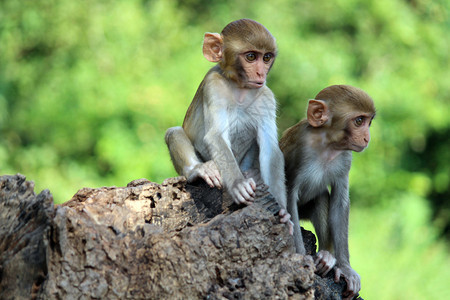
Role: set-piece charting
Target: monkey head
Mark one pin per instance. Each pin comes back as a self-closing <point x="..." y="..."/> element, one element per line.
<point x="245" y="51"/>
<point x="345" y="114"/>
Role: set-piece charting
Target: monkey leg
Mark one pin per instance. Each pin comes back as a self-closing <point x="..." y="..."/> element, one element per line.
<point x="181" y="150"/>
<point x="186" y="161"/>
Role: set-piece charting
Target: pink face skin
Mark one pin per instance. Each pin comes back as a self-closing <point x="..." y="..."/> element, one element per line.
<point x="360" y="133"/>
<point x="256" y="65"/>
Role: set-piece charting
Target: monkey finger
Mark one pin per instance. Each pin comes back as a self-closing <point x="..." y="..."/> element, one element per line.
<point x="349" y="293"/>
<point x="210" y="177"/>
<point x="320" y="268"/>
<point x="326" y="270"/>
<point x="252" y="185"/>
<point x="318" y="261"/>
<point x="291" y="227"/>
<point x="248" y="190"/>
<point x="239" y="199"/>
<point x="215" y="175"/>
<point x="284" y="214"/>
<point x="242" y="190"/>
<point x="285" y="218"/>
<point x="216" y="180"/>
<point x="328" y="261"/>
<point x="337" y="275"/>
<point x="218" y="184"/>
<point x="350" y="287"/>
<point x="318" y="258"/>
<point x="251" y="194"/>
<point x="219" y="179"/>
<point x="208" y="180"/>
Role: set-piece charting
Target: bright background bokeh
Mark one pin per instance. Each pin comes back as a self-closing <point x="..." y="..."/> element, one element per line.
<point x="88" y="88"/>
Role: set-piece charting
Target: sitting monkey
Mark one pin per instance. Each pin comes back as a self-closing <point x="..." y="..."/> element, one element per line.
<point x="230" y="126"/>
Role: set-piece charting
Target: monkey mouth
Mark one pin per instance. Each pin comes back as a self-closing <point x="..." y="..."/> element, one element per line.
<point x="256" y="84"/>
<point x="358" y="148"/>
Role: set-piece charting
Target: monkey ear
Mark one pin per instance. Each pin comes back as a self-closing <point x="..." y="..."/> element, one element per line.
<point x="212" y="47"/>
<point x="318" y="112"/>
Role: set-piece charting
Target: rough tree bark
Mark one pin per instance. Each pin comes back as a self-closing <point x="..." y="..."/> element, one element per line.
<point x="149" y="241"/>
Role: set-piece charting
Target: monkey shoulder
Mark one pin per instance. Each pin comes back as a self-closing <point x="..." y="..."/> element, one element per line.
<point x="215" y="76"/>
<point x="292" y="146"/>
<point x="208" y="94"/>
<point x="292" y="137"/>
<point x="216" y="88"/>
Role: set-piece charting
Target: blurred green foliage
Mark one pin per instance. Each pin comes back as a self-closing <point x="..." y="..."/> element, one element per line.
<point x="88" y="88"/>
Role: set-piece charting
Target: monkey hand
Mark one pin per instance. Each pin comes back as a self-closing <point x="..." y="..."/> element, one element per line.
<point x="285" y="217"/>
<point x="353" y="281"/>
<point x="243" y="191"/>
<point x="324" y="262"/>
<point x="207" y="171"/>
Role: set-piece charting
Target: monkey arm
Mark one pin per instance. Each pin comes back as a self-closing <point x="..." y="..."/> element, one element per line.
<point x="240" y="188"/>
<point x="338" y="218"/>
<point x="271" y="160"/>
<point x="222" y="155"/>
<point x="217" y="142"/>
<point x="216" y="139"/>
<point x="339" y="215"/>
<point x="293" y="210"/>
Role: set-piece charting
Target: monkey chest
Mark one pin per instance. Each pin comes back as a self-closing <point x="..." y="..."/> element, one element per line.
<point x="314" y="177"/>
<point x="241" y="139"/>
<point x="242" y="131"/>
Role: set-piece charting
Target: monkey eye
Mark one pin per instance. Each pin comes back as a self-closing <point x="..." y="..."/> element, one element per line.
<point x="359" y="121"/>
<point x="267" y="57"/>
<point x="251" y="56"/>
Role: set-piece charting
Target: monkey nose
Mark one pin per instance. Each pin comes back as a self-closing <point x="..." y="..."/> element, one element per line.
<point x="260" y="71"/>
<point x="261" y="75"/>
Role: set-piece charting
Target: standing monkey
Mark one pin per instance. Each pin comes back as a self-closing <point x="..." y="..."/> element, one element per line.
<point x="230" y="126"/>
<point x="318" y="155"/>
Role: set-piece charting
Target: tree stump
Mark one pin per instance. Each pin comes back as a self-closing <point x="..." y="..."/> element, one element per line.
<point x="149" y="241"/>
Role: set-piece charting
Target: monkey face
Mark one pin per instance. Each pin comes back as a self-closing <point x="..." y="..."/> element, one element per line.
<point x="359" y="132"/>
<point x="255" y="66"/>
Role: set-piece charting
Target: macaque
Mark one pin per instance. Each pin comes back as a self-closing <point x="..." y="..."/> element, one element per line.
<point x="230" y="127"/>
<point x="318" y="156"/>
